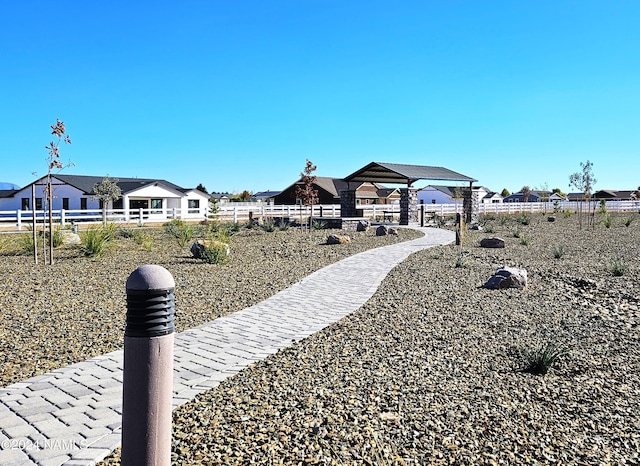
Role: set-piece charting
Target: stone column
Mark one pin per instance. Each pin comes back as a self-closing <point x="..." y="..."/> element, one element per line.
<point x="408" y="206"/>
<point x="471" y="205"/>
<point x="348" y="203"/>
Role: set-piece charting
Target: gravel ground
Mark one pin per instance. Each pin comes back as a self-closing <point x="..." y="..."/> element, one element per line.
<point x="429" y="371"/>
<point x="53" y="316"/>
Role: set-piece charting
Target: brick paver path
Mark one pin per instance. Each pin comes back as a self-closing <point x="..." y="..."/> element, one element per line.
<point x="72" y="415"/>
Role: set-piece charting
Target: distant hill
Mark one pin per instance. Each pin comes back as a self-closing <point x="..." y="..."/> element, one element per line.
<point x="8" y="186"/>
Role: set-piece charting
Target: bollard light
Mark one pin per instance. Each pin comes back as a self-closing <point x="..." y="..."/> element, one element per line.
<point x="148" y="367"/>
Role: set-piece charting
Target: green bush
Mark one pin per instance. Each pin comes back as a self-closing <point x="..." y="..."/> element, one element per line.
<point x="319" y="225"/>
<point x="488" y="228"/>
<point x="557" y="251"/>
<point x="144" y="239"/>
<point x="180" y="230"/>
<point x="618" y="268"/>
<point x="541" y="360"/>
<point x="524" y="240"/>
<point x="268" y="225"/>
<point x="523" y="219"/>
<point x="629" y="220"/>
<point x="95" y="241"/>
<point x="460" y="261"/>
<point x="26" y="244"/>
<point x="214" y="253"/>
<point x="57" y="237"/>
<point x="606" y="220"/>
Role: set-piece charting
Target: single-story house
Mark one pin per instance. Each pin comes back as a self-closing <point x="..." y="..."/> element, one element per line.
<point x="613" y="195"/>
<point x="75" y="192"/>
<point x="329" y="192"/>
<point x="264" y="196"/>
<point x="519" y="197"/>
<point x="553" y="197"/>
<point x="437" y="194"/>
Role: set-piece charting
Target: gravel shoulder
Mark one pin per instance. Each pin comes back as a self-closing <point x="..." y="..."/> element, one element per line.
<point x="57" y="315"/>
<point x="429" y="371"/>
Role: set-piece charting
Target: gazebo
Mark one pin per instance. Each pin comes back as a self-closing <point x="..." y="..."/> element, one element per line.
<point x="396" y="173"/>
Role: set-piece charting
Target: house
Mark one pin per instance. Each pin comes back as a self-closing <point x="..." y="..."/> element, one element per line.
<point x="75" y="192"/>
<point x="557" y="197"/>
<point x="492" y="198"/>
<point x="264" y="196"/>
<point x="437" y="194"/>
<point x="612" y="195"/>
<point x="519" y="197"/>
<point x="329" y="192"/>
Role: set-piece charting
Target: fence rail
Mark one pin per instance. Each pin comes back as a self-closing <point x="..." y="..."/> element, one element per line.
<point x="242" y="212"/>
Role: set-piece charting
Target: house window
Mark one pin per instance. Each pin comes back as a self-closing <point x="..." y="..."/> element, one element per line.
<point x="25" y="203"/>
<point x="83" y="203"/>
<point x="156" y="206"/>
<point x="65" y="203"/>
<point x="194" y="206"/>
<point x="38" y="203"/>
<point x="118" y="204"/>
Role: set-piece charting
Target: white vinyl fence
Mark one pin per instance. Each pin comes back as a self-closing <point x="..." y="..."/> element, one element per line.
<point x="242" y="212"/>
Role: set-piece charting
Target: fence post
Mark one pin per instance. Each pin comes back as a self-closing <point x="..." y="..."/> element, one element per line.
<point x="62" y="218"/>
<point x="148" y="367"/>
<point x="235" y="214"/>
<point x="19" y="219"/>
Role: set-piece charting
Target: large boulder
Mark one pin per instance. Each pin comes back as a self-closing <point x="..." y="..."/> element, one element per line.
<point x="493" y="242"/>
<point x="507" y="277"/>
<point x="338" y="239"/>
<point x="197" y="248"/>
<point x="382" y="231"/>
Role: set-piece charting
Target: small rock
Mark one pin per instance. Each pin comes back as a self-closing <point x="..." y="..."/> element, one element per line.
<point x="551" y="218"/>
<point x="338" y="239"/>
<point x="494" y="242"/>
<point x="392" y="231"/>
<point x="507" y="277"/>
<point x="476" y="227"/>
<point x="382" y="231"/>
<point x="363" y="225"/>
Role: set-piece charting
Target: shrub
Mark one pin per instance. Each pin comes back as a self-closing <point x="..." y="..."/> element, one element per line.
<point x="629" y="220"/>
<point x="517" y="233"/>
<point x="618" y="268"/>
<point x="488" y="228"/>
<point x="143" y="239"/>
<point x="96" y="240"/>
<point x="606" y="220"/>
<point x="523" y="219"/>
<point x="557" y="251"/>
<point x="26" y="244"/>
<point x="180" y="230"/>
<point x="539" y="362"/>
<point x="502" y="220"/>
<point x="460" y="261"/>
<point x="567" y="213"/>
<point x="319" y="225"/>
<point x="215" y="253"/>
<point x="57" y="237"/>
<point x="524" y="240"/>
<point x="268" y="225"/>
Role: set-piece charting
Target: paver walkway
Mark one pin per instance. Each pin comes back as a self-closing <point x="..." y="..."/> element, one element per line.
<point x="72" y="415"/>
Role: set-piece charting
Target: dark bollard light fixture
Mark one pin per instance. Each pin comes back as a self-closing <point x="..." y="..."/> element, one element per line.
<point x="148" y="367"/>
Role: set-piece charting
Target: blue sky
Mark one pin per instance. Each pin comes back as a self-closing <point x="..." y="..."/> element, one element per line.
<point x="238" y="94"/>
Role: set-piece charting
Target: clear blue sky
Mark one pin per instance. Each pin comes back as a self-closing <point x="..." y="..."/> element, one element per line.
<point x="237" y="94"/>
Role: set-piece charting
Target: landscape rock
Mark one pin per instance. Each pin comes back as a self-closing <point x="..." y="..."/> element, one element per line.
<point x="551" y="218"/>
<point x="382" y="231"/>
<point x="392" y="231"/>
<point x="363" y="225"/>
<point x="69" y="237"/>
<point x="507" y="277"/>
<point x="338" y="239"/>
<point x="476" y="227"/>
<point x="493" y="242"/>
<point x="198" y="248"/>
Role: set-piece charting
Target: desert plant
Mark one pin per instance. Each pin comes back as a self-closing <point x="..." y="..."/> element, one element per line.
<point x="96" y="240"/>
<point x="144" y="239"/>
<point x="557" y="251"/>
<point x="502" y="220"/>
<point x="57" y="237"/>
<point x="618" y="268"/>
<point x="180" y="230"/>
<point x="603" y="206"/>
<point x="523" y="219"/>
<point x="538" y="362"/>
<point x="517" y="233"/>
<point x="318" y="225"/>
<point x="460" y="260"/>
<point x="524" y="240"/>
<point x="439" y="220"/>
<point x="606" y="220"/>
<point x="488" y="228"/>
<point x="629" y="220"/>
<point x="567" y="213"/>
<point x="216" y="252"/>
<point x="268" y="225"/>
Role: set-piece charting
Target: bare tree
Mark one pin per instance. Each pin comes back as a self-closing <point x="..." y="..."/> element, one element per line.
<point x="584" y="182"/>
<point x="54" y="162"/>
<point x="306" y="192"/>
<point x="106" y="191"/>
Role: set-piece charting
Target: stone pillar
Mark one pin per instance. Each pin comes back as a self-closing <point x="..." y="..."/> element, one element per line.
<point x="471" y="205"/>
<point x="348" y="203"/>
<point x="408" y="206"/>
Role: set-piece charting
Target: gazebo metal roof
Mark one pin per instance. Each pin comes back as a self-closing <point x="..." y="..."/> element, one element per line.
<point x="380" y="172"/>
